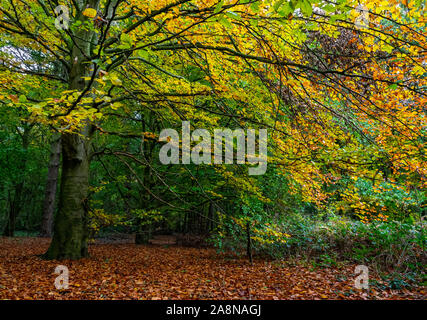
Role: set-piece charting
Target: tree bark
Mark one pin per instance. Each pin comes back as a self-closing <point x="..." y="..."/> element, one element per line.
<point x="51" y="186"/>
<point x="70" y="228"/>
<point x="70" y="233"/>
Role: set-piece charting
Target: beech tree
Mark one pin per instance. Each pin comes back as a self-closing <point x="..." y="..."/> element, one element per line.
<point x="321" y="76"/>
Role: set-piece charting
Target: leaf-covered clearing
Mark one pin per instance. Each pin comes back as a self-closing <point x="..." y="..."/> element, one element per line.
<point x="127" y="271"/>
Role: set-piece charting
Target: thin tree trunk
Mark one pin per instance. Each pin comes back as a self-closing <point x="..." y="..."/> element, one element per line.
<point x="249" y="246"/>
<point x="51" y="186"/>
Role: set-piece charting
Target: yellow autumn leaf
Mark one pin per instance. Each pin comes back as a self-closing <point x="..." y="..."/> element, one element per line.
<point x="89" y="12"/>
<point x="116" y="81"/>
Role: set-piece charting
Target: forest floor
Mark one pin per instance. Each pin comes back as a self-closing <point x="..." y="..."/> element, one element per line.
<point x="128" y="271"/>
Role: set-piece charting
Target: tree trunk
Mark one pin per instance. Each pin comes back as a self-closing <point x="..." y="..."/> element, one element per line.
<point x="249" y="247"/>
<point x="51" y="186"/>
<point x="70" y="233"/>
<point x="70" y="228"/>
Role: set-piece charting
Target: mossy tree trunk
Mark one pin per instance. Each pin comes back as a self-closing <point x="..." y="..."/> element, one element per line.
<point x="70" y="233"/>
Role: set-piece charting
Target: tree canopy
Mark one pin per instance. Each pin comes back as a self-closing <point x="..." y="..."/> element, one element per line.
<point x="339" y="86"/>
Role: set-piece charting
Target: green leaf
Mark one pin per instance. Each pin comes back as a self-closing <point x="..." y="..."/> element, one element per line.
<point x="143" y="54"/>
<point x="255" y="7"/>
<point x="286" y="10"/>
<point x="219" y="6"/>
<point x="329" y="8"/>
<point x="337" y="16"/>
<point x="225" y="22"/>
<point x="233" y="15"/>
<point x="306" y="8"/>
<point x="277" y="5"/>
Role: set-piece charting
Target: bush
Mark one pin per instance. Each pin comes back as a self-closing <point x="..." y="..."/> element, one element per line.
<point x="385" y="246"/>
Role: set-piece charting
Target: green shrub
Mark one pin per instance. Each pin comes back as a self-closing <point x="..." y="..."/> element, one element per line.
<point x="391" y="246"/>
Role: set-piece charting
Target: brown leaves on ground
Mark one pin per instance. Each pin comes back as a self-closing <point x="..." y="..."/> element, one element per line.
<point x="128" y="271"/>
